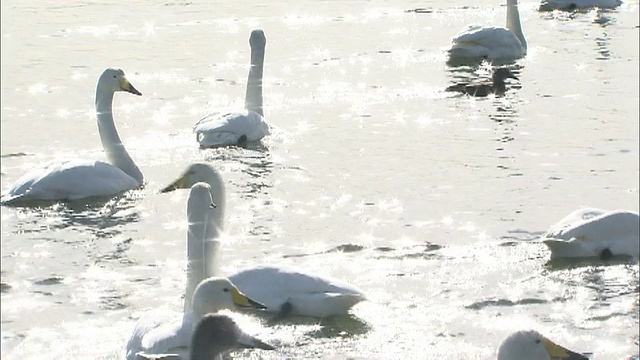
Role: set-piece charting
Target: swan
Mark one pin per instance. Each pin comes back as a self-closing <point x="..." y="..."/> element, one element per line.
<point x="550" y="5"/>
<point x="591" y="232"/>
<point x="531" y="345"/>
<point x="290" y="290"/>
<point x="490" y="42"/>
<point x="238" y="128"/>
<point x="77" y="179"/>
<point x="497" y="86"/>
<point x="215" y="335"/>
<point x="155" y="334"/>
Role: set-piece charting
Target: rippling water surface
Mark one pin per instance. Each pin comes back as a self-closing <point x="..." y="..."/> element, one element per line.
<point x="431" y="202"/>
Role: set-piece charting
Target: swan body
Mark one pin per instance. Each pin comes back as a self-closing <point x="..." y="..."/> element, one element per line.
<point x="594" y="232"/>
<point x="171" y="334"/>
<point x="306" y="294"/>
<point x="286" y="290"/>
<point x="482" y="89"/>
<point x="490" y="42"/>
<point x="239" y="127"/>
<point x="230" y="129"/>
<point x="531" y="345"/>
<point x="550" y="5"/>
<point x="77" y="179"/>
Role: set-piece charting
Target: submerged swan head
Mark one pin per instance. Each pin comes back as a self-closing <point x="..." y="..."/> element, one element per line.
<point x="531" y="345"/>
<point x="257" y="40"/>
<point x="218" y="333"/>
<point x="113" y="80"/>
<point x="217" y="293"/>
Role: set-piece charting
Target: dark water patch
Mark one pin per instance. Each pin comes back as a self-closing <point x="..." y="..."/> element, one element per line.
<point x="54" y="280"/>
<point x="344" y="248"/>
<point x="4" y="287"/>
<point x="45" y="293"/>
<point x="112" y="301"/>
<point x="384" y="249"/>
<point x="504" y="302"/>
<point x="450" y="335"/>
<point x="421" y="11"/>
<point x="423" y="251"/>
<point x="522" y="235"/>
<point x="555" y="264"/>
<point x="608" y="316"/>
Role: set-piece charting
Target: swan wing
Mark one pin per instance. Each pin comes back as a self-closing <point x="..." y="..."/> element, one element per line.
<point x="155" y="334"/>
<point x="70" y="180"/>
<point x="273" y="286"/>
<point x="226" y="129"/>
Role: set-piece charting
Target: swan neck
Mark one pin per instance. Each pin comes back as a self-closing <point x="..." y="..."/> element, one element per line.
<point x="513" y="22"/>
<point x="253" y="99"/>
<point x="196" y="259"/>
<point x="205" y="348"/>
<point x="111" y="143"/>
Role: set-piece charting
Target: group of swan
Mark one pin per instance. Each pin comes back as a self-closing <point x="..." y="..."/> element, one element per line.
<point x="201" y="333"/>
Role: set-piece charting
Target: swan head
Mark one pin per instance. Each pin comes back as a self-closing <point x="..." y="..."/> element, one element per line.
<point x="216" y="293"/>
<point x="217" y="333"/>
<point x="200" y="197"/>
<point x="257" y="40"/>
<point x="531" y="345"/>
<point x="113" y="80"/>
<point x="502" y="73"/>
<point x="195" y="173"/>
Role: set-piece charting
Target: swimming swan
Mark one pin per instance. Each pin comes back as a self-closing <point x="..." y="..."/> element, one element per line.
<point x="215" y="334"/>
<point x="595" y="232"/>
<point x="282" y="289"/>
<point x="482" y="89"/>
<point x="77" y="179"/>
<point x="531" y="345"/>
<point x="490" y="42"/>
<point x="155" y="334"/>
<point x="240" y="127"/>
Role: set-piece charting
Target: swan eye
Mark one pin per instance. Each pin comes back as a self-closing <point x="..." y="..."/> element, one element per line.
<point x="115" y="76"/>
<point x="225" y="289"/>
<point x="537" y="341"/>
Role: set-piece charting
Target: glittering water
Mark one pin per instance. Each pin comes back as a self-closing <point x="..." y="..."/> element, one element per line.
<point x="431" y="202"/>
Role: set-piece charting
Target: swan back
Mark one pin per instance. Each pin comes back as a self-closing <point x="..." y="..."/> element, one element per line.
<point x="531" y="345"/>
<point x="253" y="99"/>
<point x="218" y="333"/>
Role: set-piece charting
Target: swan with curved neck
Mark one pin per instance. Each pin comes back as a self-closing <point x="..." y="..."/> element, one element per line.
<point x="531" y="345"/>
<point x="77" y="179"/>
<point x="283" y="289"/>
<point x="238" y="128"/>
<point x="155" y="334"/>
<point x="492" y="43"/>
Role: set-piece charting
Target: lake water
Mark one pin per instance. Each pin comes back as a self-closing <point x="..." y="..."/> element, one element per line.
<point x="431" y="202"/>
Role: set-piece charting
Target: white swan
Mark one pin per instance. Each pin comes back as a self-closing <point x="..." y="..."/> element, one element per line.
<point x="493" y="43"/>
<point x="550" y="5"/>
<point x="157" y="334"/>
<point x="77" y="179"/>
<point x="531" y="345"/>
<point x="595" y="232"/>
<point x="239" y="127"/>
<point x="214" y="335"/>
<point x="284" y="290"/>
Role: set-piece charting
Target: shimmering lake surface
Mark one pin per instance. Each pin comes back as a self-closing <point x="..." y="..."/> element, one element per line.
<point x="431" y="202"/>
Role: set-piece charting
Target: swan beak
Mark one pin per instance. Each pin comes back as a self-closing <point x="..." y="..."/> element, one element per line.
<point x="125" y="85"/>
<point x="558" y="352"/>
<point x="241" y="300"/>
<point x="248" y="341"/>
<point x="181" y="183"/>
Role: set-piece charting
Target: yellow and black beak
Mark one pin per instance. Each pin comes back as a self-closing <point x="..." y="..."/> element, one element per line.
<point x="126" y="86"/>
<point x="558" y="352"/>
<point x="181" y="183"/>
<point x="241" y="300"/>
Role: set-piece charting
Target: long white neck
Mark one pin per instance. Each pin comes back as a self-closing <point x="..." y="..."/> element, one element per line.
<point x="111" y="143"/>
<point x="253" y="99"/>
<point x="513" y="21"/>
<point x="196" y="259"/>
<point x="215" y="225"/>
